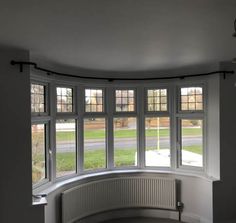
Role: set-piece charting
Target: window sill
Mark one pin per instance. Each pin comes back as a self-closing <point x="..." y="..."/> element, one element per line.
<point x="51" y="187"/>
<point x="39" y="200"/>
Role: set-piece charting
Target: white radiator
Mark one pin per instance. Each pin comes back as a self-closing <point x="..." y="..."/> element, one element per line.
<point x="115" y="193"/>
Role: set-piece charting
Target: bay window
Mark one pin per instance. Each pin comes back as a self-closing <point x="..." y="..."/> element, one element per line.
<point x="78" y="129"/>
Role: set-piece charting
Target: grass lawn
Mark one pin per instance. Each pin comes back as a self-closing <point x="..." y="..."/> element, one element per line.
<point x="126" y="133"/>
<point x="95" y="159"/>
<point x="124" y="157"/>
<point x="193" y="149"/>
<point x="65" y="161"/>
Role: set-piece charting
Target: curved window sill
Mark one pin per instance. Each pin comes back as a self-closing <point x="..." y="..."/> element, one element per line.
<point x="52" y="187"/>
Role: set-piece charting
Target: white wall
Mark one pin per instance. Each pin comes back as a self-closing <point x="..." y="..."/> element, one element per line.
<point x="213" y="127"/>
<point x="15" y="147"/>
<point x="224" y="192"/>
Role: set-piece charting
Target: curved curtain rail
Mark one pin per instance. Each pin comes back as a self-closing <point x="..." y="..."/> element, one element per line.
<point x="49" y="72"/>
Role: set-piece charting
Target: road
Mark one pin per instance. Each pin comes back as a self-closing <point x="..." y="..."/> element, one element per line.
<point x="126" y="143"/>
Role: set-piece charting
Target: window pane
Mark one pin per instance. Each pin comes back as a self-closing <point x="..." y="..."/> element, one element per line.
<point x="38" y="152"/>
<point x="94" y="143"/>
<point x="65" y="147"/>
<point x="191" y="99"/>
<point x="157" y="100"/>
<point x="64" y="99"/>
<point x="125" y="101"/>
<point x="157" y="135"/>
<point x="125" y="142"/>
<point x="38" y="98"/>
<point x="94" y="100"/>
<point x="192" y="142"/>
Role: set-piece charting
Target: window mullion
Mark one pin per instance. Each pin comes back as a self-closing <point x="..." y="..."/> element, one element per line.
<point x="173" y="102"/>
<point x="110" y="104"/>
<point x="140" y="128"/>
<point x="52" y="152"/>
<point x="80" y="129"/>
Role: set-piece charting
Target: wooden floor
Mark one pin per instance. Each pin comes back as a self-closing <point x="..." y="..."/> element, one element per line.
<point x="141" y="220"/>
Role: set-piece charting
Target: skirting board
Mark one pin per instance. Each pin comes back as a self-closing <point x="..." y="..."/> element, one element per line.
<point x="139" y="212"/>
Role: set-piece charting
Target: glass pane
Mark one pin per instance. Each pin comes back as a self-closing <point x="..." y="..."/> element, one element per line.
<point x="125" y="101"/>
<point x="38" y="152"/>
<point x="37" y="98"/>
<point x="94" y="98"/>
<point x="64" y="99"/>
<point x="65" y="147"/>
<point x="125" y="142"/>
<point x="94" y="143"/>
<point x="157" y="100"/>
<point x="157" y="136"/>
<point x="190" y="97"/>
<point x="192" y="142"/>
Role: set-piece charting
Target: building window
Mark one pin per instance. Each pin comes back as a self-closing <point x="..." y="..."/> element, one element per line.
<point x="94" y="100"/>
<point x="125" y="141"/>
<point x="94" y="143"/>
<point x="192" y="142"/>
<point x="86" y="137"/>
<point x="39" y="157"/>
<point x="65" y="147"/>
<point x="157" y="135"/>
<point x="191" y="99"/>
<point x="38" y="98"/>
<point x="125" y="100"/>
<point x="156" y="100"/>
<point x="64" y="99"/>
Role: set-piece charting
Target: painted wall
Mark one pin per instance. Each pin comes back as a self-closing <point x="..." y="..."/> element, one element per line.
<point x="213" y="127"/>
<point x="15" y="185"/>
<point x="224" y="192"/>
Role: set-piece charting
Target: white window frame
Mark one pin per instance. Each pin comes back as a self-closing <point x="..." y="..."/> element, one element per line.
<point x="140" y="112"/>
<point x="191" y="114"/>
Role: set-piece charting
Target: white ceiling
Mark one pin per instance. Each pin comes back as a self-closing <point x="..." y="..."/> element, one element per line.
<point x="120" y="35"/>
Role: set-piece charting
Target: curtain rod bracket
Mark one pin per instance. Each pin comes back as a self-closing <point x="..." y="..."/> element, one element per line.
<point x="19" y="63"/>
